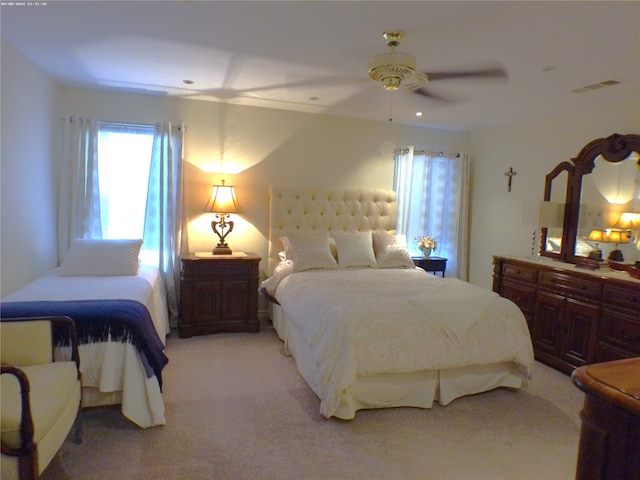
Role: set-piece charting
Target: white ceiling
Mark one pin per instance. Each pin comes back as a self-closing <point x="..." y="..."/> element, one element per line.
<point x="233" y="50"/>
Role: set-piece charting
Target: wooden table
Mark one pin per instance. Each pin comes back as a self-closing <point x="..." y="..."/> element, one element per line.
<point x="431" y="264"/>
<point x="610" y="433"/>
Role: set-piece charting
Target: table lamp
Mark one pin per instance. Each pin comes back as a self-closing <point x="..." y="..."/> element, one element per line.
<point x="617" y="237"/>
<point x="223" y="201"/>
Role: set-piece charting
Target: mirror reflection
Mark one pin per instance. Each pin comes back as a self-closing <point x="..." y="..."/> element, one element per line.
<point x="609" y="199"/>
<point x="552" y="213"/>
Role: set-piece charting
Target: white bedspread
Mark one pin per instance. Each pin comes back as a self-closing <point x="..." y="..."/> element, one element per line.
<point x="112" y="366"/>
<point x="360" y="322"/>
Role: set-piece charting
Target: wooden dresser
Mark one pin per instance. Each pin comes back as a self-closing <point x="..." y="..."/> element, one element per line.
<point x="219" y="293"/>
<point x="575" y="316"/>
<point x="610" y="434"/>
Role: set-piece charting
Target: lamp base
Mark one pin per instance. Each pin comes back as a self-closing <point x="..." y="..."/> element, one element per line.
<point x="595" y="254"/>
<point x="616" y="256"/>
<point x="222" y="251"/>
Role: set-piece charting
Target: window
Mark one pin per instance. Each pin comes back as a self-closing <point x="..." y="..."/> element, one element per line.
<point x="433" y="192"/>
<point x="124" y="158"/>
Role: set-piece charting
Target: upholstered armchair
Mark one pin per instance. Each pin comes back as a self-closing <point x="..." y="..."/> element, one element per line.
<point x="40" y="396"/>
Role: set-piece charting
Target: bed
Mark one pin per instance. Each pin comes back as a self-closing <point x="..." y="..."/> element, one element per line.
<point x="120" y="310"/>
<point x="367" y="329"/>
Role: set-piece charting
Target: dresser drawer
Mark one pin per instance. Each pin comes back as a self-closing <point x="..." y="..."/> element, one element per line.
<point x="520" y="272"/>
<point x="523" y="296"/>
<point x="620" y="329"/>
<point x="627" y="297"/>
<point x="571" y="286"/>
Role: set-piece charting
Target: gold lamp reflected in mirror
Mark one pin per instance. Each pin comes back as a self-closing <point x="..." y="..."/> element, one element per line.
<point x="597" y="236"/>
<point x="617" y="237"/>
<point x="223" y="201"/>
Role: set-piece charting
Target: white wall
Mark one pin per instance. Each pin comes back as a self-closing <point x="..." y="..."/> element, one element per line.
<point x="533" y="150"/>
<point x="28" y="175"/>
<point x="252" y="148"/>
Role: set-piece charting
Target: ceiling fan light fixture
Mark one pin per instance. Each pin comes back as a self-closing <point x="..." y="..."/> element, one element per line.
<point x="391" y="68"/>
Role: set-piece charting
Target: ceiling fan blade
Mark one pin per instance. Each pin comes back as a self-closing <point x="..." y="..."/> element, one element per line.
<point x="430" y="95"/>
<point x="494" y="72"/>
<point x="312" y="82"/>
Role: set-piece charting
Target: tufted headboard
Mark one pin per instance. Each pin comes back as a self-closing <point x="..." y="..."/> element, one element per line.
<point x="309" y="209"/>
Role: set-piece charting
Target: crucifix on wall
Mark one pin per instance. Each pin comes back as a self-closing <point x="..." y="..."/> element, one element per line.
<point x="509" y="174"/>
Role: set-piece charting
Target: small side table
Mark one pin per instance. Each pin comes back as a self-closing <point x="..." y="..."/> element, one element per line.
<point x="218" y="293"/>
<point x="431" y="264"/>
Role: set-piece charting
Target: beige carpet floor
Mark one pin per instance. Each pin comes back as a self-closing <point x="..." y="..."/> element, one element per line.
<point x="236" y="408"/>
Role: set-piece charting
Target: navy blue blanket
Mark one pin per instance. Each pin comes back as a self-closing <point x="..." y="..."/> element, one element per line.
<point x="125" y="321"/>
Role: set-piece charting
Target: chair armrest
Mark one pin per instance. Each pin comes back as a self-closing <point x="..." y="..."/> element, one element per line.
<point x="26" y="424"/>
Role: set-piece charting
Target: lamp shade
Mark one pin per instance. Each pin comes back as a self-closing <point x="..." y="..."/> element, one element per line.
<point x="551" y="214"/>
<point x="223" y="200"/>
<point x="597" y="236"/>
<point x="628" y="221"/>
<point x="617" y="236"/>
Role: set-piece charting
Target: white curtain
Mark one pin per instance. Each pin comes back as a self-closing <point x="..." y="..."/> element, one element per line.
<point x="165" y="231"/>
<point x="79" y="202"/>
<point x="433" y="201"/>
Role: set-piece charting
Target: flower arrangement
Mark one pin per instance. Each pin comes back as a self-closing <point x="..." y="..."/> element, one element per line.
<point x="426" y="242"/>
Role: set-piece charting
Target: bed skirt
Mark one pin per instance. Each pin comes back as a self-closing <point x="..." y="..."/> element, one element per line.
<point x="417" y="389"/>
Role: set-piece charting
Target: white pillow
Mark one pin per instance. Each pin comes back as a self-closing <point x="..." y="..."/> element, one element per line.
<point x="310" y="250"/>
<point x="101" y="257"/>
<point x="355" y="249"/>
<point x="391" y="251"/>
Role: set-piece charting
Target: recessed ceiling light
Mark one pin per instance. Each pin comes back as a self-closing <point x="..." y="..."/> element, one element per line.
<point x="418" y="114"/>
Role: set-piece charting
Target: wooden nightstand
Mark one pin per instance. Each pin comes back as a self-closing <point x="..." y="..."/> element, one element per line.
<point x="219" y="293"/>
<point x="431" y="264"/>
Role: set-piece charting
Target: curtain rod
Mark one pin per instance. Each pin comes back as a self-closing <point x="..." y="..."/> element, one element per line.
<point x="72" y="118"/>
<point x="425" y="152"/>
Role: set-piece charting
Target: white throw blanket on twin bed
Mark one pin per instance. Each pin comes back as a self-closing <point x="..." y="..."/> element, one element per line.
<point x="355" y="330"/>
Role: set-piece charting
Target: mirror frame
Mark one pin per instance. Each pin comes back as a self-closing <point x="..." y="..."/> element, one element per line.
<point x="560" y="168"/>
<point x="614" y="148"/>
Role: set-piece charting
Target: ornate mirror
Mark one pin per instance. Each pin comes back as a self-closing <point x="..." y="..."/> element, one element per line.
<point x="592" y="202"/>
<point x="552" y="211"/>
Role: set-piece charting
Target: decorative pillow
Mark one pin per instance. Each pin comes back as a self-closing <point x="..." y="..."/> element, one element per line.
<point x="391" y="251"/>
<point x="101" y="257"/>
<point x="310" y="250"/>
<point x="355" y="249"/>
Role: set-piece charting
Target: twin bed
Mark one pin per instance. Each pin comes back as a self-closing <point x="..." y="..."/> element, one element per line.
<point x="120" y="311"/>
<point x="366" y="328"/>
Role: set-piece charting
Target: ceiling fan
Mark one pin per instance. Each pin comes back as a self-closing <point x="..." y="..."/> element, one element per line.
<point x="395" y="69"/>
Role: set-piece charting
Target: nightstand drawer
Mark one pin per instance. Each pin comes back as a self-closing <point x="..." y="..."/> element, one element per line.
<point x="216" y="269"/>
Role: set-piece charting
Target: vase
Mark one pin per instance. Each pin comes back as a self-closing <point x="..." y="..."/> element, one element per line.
<point x="426" y="251"/>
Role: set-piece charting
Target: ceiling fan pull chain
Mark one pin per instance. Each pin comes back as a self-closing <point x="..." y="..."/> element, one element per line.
<point x="391" y="107"/>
